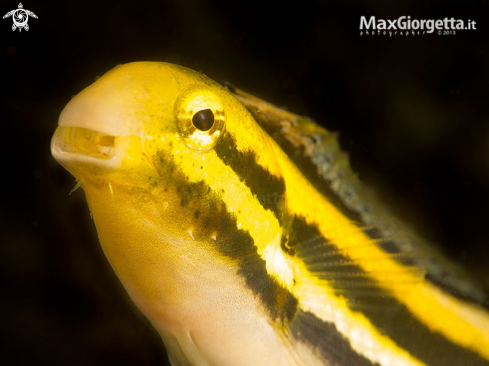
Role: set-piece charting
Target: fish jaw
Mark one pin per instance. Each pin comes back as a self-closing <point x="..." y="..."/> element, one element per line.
<point x="86" y="152"/>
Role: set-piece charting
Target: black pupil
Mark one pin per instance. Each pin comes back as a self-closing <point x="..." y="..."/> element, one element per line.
<point x="203" y="120"/>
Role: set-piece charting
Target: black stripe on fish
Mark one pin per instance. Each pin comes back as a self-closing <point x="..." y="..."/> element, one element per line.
<point x="239" y="245"/>
<point x="304" y="161"/>
<point x="389" y="316"/>
<point x="203" y="211"/>
<point x="266" y="187"/>
<point x="333" y="346"/>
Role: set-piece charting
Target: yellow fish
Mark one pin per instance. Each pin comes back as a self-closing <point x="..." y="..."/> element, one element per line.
<point x="242" y="234"/>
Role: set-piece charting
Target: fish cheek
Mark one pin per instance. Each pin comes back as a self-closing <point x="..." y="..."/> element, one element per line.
<point x="188" y="207"/>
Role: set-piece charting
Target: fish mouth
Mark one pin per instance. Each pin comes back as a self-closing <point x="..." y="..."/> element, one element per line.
<point x="82" y="145"/>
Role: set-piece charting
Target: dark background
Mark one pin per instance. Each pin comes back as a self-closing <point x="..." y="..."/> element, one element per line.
<point x="413" y="112"/>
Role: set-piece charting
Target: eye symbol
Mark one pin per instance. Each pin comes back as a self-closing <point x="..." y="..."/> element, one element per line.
<point x="203" y="120"/>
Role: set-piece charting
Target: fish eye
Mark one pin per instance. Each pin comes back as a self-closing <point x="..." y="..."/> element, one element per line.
<point x="199" y="116"/>
<point x="203" y="119"/>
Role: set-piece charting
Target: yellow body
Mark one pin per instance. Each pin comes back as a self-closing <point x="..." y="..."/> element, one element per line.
<point x="187" y="216"/>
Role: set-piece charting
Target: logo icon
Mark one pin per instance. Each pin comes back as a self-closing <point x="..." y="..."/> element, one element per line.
<point x="20" y="17"/>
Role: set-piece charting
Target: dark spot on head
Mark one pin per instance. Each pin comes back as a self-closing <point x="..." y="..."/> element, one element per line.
<point x="285" y="247"/>
<point x="197" y="214"/>
<point x="228" y="85"/>
<point x="184" y="199"/>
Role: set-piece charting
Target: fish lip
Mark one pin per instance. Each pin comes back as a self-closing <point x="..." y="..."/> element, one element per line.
<point x="69" y="145"/>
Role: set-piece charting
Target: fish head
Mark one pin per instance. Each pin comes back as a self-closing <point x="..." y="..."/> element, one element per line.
<point x="149" y="143"/>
